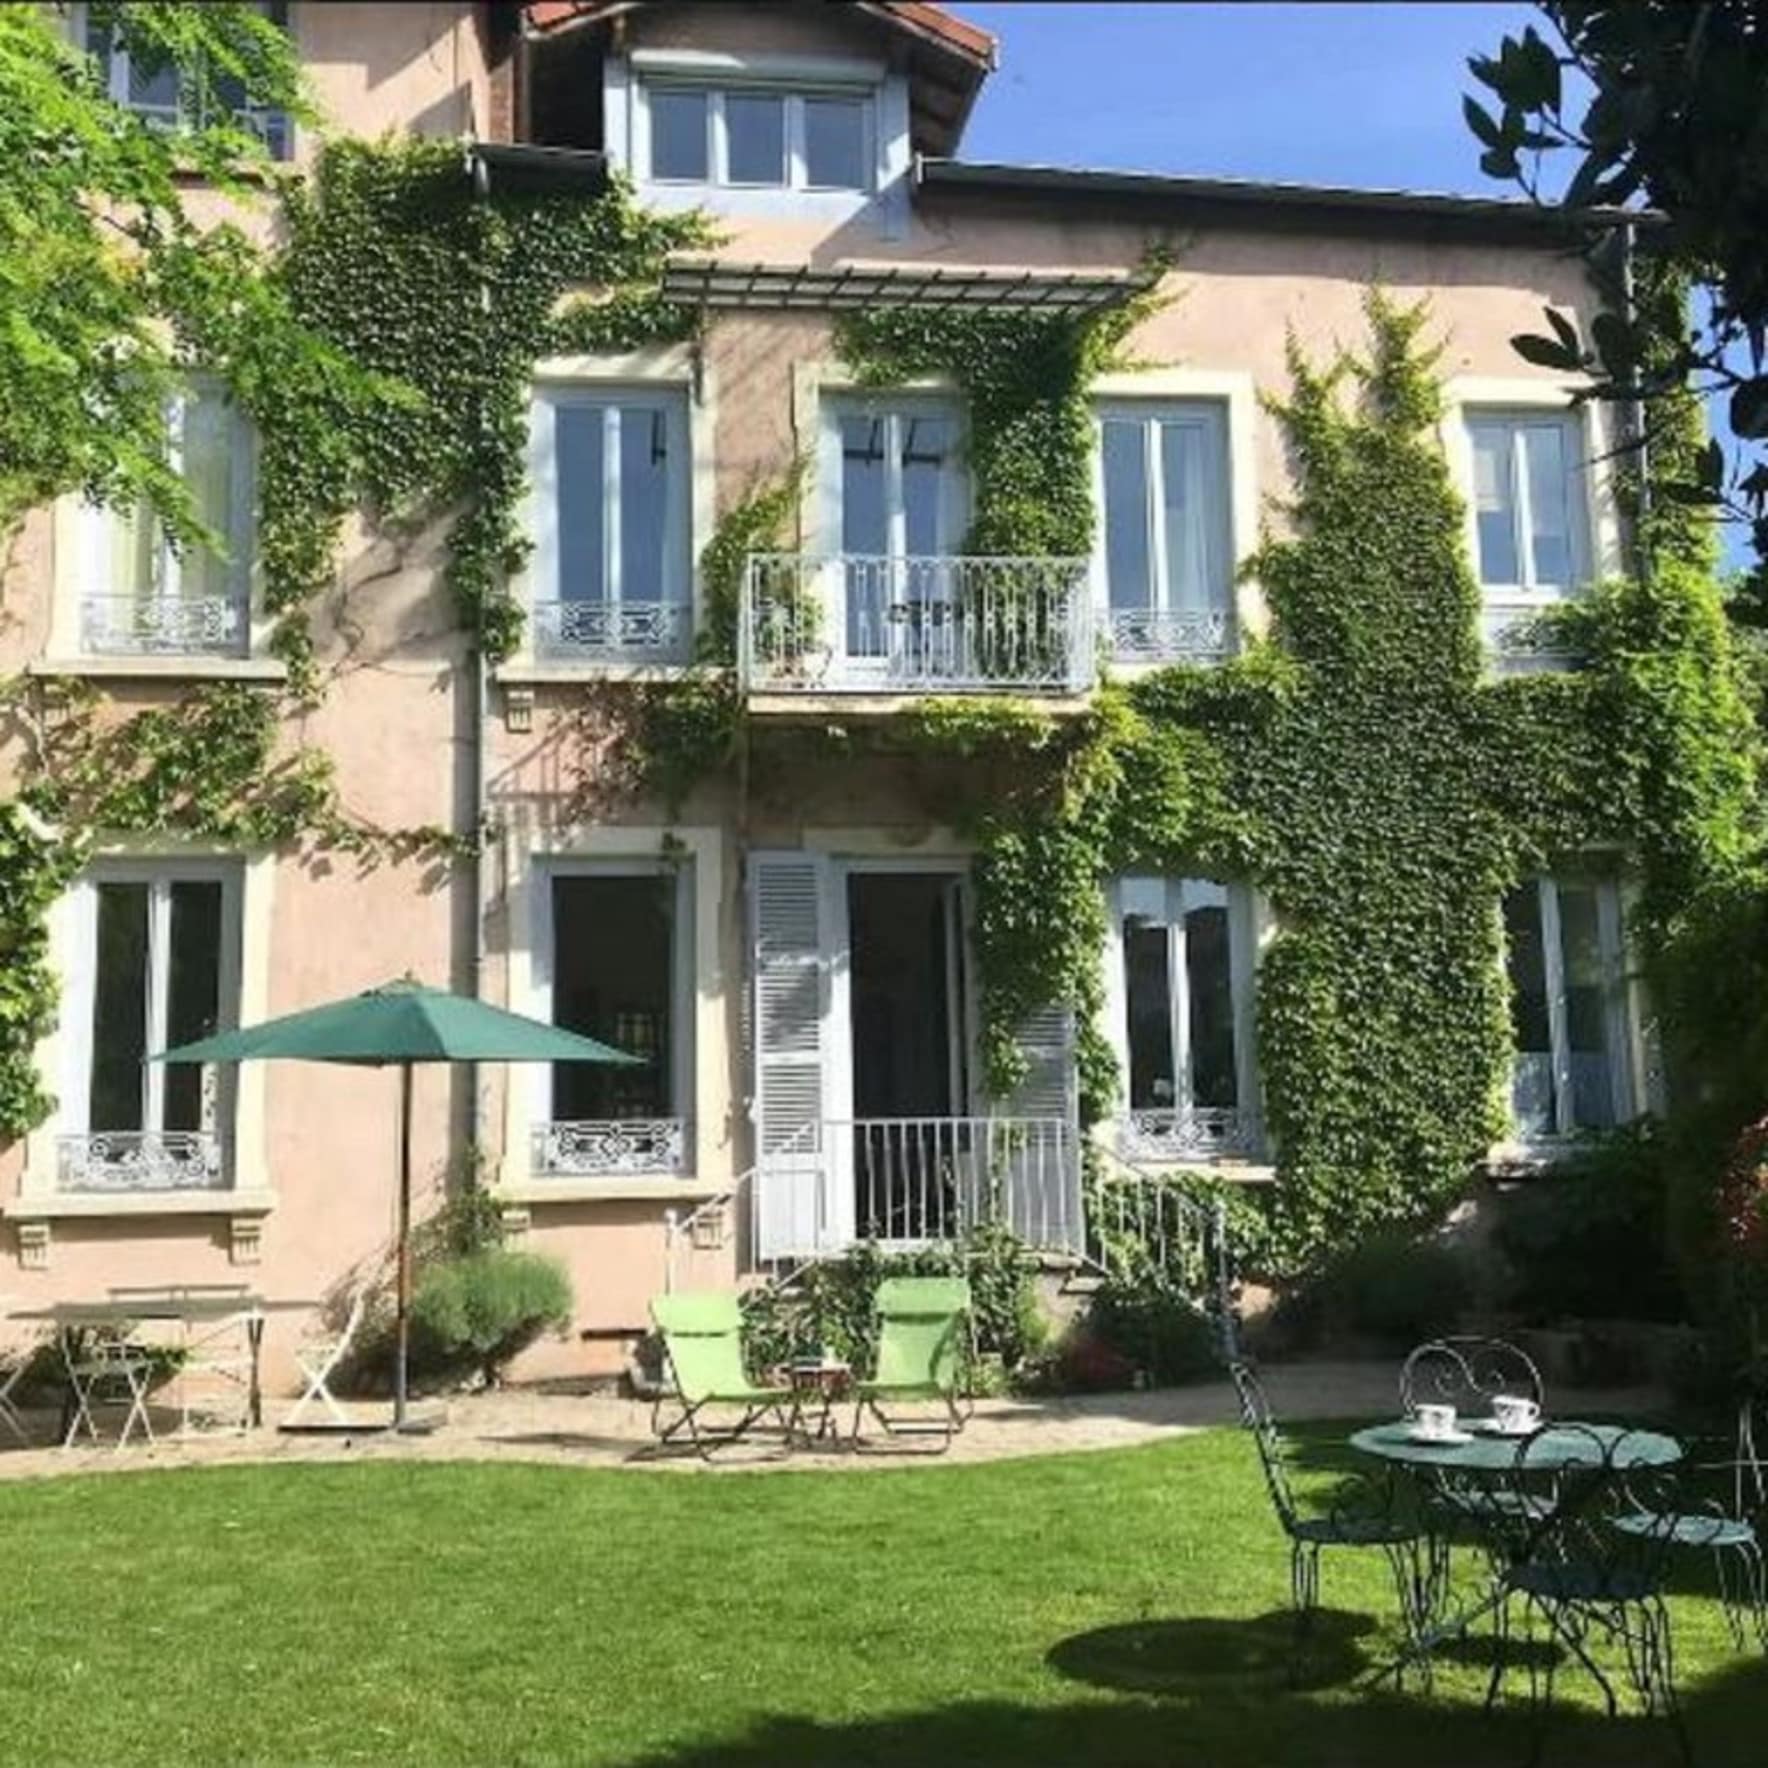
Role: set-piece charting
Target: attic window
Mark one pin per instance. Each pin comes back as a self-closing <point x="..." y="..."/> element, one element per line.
<point x="758" y="137"/>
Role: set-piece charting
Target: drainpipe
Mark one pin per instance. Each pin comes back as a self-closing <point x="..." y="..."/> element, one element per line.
<point x="481" y="180"/>
<point x="1636" y="404"/>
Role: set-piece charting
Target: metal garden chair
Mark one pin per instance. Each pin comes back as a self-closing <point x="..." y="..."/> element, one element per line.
<point x="1467" y="1373"/>
<point x="1361" y="1514"/>
<point x="1593" y="1566"/>
<point x="1722" y="1504"/>
<point x="319" y="1356"/>
<point x="15" y="1359"/>
<point x="922" y="1323"/>
<point x="703" y="1354"/>
<point x="108" y="1366"/>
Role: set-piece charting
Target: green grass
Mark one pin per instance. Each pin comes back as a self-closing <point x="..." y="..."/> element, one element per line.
<point x="1114" y="1608"/>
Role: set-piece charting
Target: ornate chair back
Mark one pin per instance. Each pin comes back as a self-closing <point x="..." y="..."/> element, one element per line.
<point x="1468" y="1374"/>
<point x="1273" y="1451"/>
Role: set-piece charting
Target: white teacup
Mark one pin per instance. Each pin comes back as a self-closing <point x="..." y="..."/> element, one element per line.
<point x="1435" y="1422"/>
<point x="1515" y="1415"/>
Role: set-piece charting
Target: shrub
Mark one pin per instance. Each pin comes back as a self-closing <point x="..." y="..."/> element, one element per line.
<point x="478" y="1312"/>
<point x="1589" y="1238"/>
<point x="831" y="1304"/>
<point x="1398" y="1288"/>
<point x="1144" y="1323"/>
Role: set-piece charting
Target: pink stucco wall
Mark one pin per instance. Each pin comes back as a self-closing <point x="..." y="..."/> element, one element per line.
<point x="399" y="711"/>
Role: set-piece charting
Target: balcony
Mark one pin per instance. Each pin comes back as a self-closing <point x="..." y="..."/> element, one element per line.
<point x="857" y="624"/>
<point x="164" y="626"/>
<point x="125" y="1162"/>
<point x="610" y="1148"/>
<point x="613" y="632"/>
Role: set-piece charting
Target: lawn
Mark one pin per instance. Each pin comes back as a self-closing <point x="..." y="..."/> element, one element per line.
<point x="1112" y="1608"/>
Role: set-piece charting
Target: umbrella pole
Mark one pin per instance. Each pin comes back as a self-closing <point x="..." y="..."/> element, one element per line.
<point x="404" y="1278"/>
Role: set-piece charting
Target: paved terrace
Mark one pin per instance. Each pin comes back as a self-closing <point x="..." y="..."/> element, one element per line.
<point x="601" y="1429"/>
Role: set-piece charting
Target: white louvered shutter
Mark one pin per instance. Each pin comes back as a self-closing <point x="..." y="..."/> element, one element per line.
<point x="790" y="997"/>
<point x="1039" y="1169"/>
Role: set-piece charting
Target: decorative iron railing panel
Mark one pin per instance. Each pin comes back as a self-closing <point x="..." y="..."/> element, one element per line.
<point x="594" y="1148"/>
<point x="613" y="632"/>
<point x="1197" y="1133"/>
<point x="140" y="1160"/>
<point x="870" y="624"/>
<point x="1518" y="639"/>
<point x="1180" y="635"/>
<point x="163" y="626"/>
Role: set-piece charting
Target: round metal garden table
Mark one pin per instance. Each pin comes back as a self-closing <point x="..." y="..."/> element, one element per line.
<point x="1553" y="1449"/>
<point x="1577" y="1445"/>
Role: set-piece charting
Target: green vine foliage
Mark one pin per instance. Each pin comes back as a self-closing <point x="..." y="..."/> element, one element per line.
<point x="204" y="767"/>
<point x="449" y="297"/>
<point x="1358" y="766"/>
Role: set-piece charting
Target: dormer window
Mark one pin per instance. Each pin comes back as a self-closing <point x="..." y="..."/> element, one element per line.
<point x="758" y="136"/>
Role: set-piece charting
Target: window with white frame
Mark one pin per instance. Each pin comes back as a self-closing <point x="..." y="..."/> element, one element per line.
<point x="1528" y="501"/>
<point x="1165" y="529"/>
<point x="895" y="472"/>
<point x="165" y="99"/>
<point x="140" y="591"/>
<point x="1566" y="961"/>
<point x="611" y="487"/>
<point x="759" y="136"/>
<point x="1184" y="950"/>
<point x="153" y="961"/>
<point x="617" y="960"/>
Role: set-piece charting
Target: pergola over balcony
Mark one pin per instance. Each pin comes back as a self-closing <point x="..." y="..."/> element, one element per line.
<point x="699" y="281"/>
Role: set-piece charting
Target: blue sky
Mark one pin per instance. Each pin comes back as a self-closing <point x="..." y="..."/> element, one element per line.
<point x="1331" y="93"/>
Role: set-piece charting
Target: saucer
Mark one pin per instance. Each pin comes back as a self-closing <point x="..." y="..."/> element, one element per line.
<point x="1446" y="1439"/>
<point x="1491" y="1427"/>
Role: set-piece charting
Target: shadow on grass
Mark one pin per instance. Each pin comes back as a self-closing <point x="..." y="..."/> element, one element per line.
<point x="1219" y="1723"/>
<point x="1203" y="1653"/>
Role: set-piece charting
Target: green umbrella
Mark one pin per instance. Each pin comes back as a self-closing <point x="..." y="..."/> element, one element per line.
<point x="401" y="1022"/>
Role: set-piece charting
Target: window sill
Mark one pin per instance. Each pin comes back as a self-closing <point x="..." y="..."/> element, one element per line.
<point x="1230" y="1172"/>
<point x="520" y="674"/>
<point x="268" y="669"/>
<point x="624" y="1188"/>
<point x="54" y="1206"/>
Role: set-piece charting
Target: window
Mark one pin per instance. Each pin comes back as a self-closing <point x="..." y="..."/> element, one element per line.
<point x="611" y="569"/>
<point x="898" y="482"/>
<point x="619" y="967"/>
<point x="1528" y="492"/>
<point x="1185" y="1033"/>
<point x="142" y="593"/>
<point x="1165" y="531"/>
<point x="155" y="962"/>
<point x="760" y="137"/>
<point x="159" y="96"/>
<point x="1568" y="1007"/>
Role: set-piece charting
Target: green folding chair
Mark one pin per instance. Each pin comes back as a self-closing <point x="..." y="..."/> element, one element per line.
<point x="923" y="1323"/>
<point x="703" y="1349"/>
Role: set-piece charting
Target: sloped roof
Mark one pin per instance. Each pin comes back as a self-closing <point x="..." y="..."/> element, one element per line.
<point x="950" y="56"/>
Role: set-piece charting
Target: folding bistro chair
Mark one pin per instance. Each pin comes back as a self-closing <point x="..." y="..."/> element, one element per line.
<point x="107" y="1366"/>
<point x="15" y="1359"/>
<point x="319" y="1356"/>
<point x="921" y="1346"/>
<point x="703" y="1352"/>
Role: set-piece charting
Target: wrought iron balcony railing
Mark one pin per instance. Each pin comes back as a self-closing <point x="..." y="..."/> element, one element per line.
<point x="103" y="1161"/>
<point x="613" y="632"/>
<point x="164" y="626"/>
<point x="608" y="1148"/>
<point x="873" y="624"/>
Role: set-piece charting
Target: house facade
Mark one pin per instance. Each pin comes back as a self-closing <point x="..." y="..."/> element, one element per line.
<point x="793" y="967"/>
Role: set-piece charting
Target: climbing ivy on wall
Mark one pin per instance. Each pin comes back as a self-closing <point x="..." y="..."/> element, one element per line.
<point x="1358" y="765"/>
<point x="451" y="298"/>
<point x="432" y="303"/>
